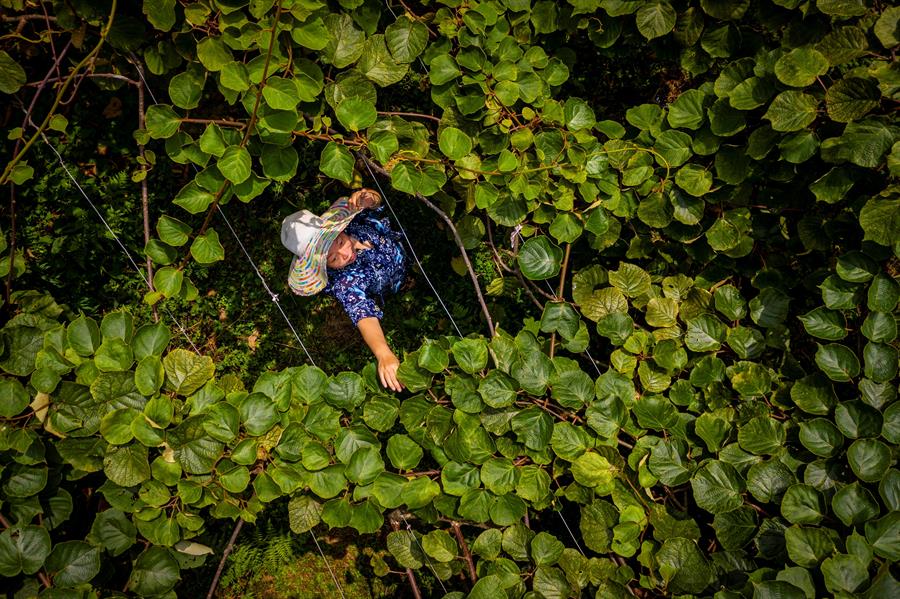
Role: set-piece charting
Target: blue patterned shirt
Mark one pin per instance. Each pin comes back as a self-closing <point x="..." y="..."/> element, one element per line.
<point x="375" y="271"/>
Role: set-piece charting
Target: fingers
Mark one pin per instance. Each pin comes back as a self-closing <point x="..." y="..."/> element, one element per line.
<point x="387" y="372"/>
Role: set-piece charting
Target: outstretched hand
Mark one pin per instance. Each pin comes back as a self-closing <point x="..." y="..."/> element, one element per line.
<point x="387" y="372"/>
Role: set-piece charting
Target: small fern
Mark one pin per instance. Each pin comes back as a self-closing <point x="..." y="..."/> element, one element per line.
<point x="264" y="551"/>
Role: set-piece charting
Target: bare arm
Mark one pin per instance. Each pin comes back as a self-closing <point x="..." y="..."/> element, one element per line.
<point x="370" y="328"/>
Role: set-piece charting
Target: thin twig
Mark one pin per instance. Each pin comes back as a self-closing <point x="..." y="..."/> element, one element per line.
<point x="559" y="294"/>
<point x="409" y="573"/>
<point x="115" y="76"/>
<point x="250" y="124"/>
<point x="27" y="18"/>
<point x="145" y="201"/>
<point x="223" y="122"/>
<point x="473" y="575"/>
<point x="417" y="115"/>
<point x="12" y="185"/>
<point x="490" y="233"/>
<point x="225" y="554"/>
<point x="59" y="96"/>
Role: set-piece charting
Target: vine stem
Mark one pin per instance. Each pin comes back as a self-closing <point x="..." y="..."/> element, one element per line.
<point x="410" y="576"/>
<point x="59" y="96"/>
<point x="462" y="249"/>
<point x="465" y="549"/>
<point x="559" y="294"/>
<point x="12" y="185"/>
<point x="225" y="554"/>
<point x="411" y="114"/>
<point x="115" y="76"/>
<point x="145" y="196"/>
<point x="250" y="124"/>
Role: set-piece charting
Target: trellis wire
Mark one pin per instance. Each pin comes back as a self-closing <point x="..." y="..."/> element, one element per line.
<point x="114" y="236"/>
<point x="422" y="549"/>
<point x="221" y="212"/>
<point x="274" y="297"/>
<point x="412" y="250"/>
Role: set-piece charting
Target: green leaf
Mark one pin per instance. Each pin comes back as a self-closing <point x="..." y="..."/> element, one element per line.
<point x="304" y="513"/>
<point x="578" y="114"/>
<point x="717" y="487"/>
<point x="688" y="111"/>
<point x="887" y="27"/>
<point x="630" y="279"/>
<point x="161" y="121"/>
<point x="800" y="67"/>
<point x="869" y="459"/>
<point x="883" y="536"/>
<point x="844" y="573"/>
<point x="113" y="531"/>
<point x="440" y="545"/>
<point x="802" y="504"/>
<point x="155" y="572"/>
<point x="883" y="294"/>
<point x="186" y="371"/>
<point x="593" y="470"/>
<point x="824" y="324"/>
<point x="337" y="162"/>
<point x="356" y="113"/>
<point x="851" y="98"/>
<point x="821" y="437"/>
<point x="23" y="549"/>
<point x="72" y="563"/>
<point x="533" y="427"/>
<point x="807" y="547"/>
<point x="770" y="308"/>
<point x="281" y="93"/>
<point x="539" y="258"/>
<point x="13" y="398"/>
<point x="12" y="76"/>
<point x="704" y="333"/>
<point x="683" y="566"/>
<point x="842" y="8"/>
<point x="734" y="529"/>
<point x="127" y="465"/>
<point x="186" y="88"/>
<point x="213" y="53"/>
<point x="193" y="198"/>
<point x="406" y="39"/>
<point x="880" y="220"/>
<point x="454" y="143"/>
<point x="280" y="164"/>
<point x="206" y="248"/>
<point x="655" y="19"/>
<point x="761" y="436"/>
<point x="838" y="362"/>
<point x="791" y="111"/>
<point x="378" y="65"/>
<point x="853" y="504"/>
<point x="443" y="69"/>
<point x="694" y="179"/>
<point x="345" y="40"/>
<point x="470" y="354"/>
<point x="172" y="231"/>
<point x="234" y="76"/>
<point x="235" y="164"/>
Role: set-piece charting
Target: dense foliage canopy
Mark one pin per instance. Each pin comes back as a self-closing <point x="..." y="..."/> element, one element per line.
<point x="704" y="404"/>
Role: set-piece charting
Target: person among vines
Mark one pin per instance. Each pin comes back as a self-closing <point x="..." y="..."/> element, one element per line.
<point x="353" y="254"/>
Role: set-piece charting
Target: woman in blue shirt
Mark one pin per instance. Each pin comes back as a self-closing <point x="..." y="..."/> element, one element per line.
<point x="353" y="254"/>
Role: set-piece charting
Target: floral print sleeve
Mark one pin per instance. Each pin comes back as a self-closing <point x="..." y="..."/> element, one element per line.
<point x="375" y="272"/>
